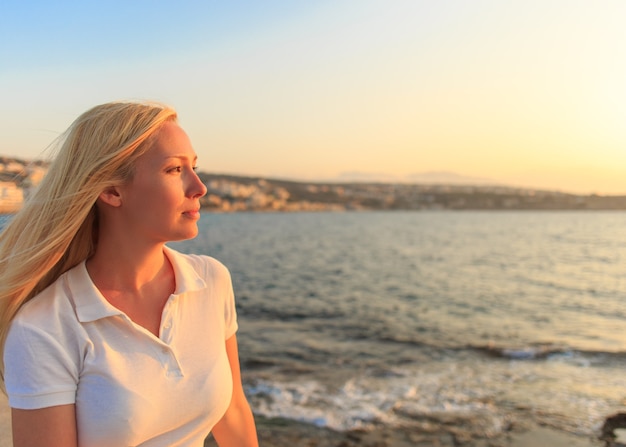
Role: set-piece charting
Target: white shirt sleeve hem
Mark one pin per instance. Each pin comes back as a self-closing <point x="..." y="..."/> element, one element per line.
<point x="30" y="402"/>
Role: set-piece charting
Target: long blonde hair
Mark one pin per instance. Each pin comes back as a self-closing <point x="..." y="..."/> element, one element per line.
<point x="56" y="229"/>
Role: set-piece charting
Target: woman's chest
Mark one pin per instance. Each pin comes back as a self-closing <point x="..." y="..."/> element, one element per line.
<point x="135" y="388"/>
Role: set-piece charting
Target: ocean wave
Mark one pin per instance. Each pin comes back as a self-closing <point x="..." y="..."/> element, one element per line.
<point x="483" y="398"/>
<point x="369" y="401"/>
<point x="551" y="352"/>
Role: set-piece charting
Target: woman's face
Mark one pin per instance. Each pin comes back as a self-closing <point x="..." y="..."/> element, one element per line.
<point x="161" y="201"/>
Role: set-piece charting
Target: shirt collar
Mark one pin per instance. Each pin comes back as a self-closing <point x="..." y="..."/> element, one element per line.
<point x="91" y="305"/>
<point x="188" y="279"/>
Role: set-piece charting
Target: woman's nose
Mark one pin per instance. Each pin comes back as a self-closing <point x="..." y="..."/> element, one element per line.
<point x="196" y="188"/>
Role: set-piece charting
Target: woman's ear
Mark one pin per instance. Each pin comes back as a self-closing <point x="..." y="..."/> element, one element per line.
<point x="111" y="196"/>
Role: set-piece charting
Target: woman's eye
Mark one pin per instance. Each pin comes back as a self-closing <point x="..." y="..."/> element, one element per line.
<point x="175" y="169"/>
<point x="195" y="168"/>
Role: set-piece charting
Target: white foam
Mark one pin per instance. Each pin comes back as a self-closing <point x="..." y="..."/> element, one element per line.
<point x="365" y="400"/>
<point x="442" y="391"/>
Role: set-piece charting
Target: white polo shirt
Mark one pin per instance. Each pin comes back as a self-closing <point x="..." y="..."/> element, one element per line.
<point x="70" y="345"/>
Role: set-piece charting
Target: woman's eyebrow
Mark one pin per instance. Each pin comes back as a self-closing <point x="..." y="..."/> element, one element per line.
<point x="182" y="157"/>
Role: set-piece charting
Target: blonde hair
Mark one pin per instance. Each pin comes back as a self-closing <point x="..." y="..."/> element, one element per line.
<point x="56" y="229"/>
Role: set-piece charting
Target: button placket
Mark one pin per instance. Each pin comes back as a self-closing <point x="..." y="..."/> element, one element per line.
<point x="169" y="362"/>
<point x="168" y="315"/>
<point x="168" y="357"/>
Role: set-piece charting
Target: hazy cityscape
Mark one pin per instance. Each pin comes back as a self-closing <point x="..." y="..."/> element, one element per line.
<point x="229" y="193"/>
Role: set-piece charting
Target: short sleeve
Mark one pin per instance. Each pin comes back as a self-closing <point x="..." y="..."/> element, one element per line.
<point x="39" y="372"/>
<point x="230" y="310"/>
<point x="218" y="274"/>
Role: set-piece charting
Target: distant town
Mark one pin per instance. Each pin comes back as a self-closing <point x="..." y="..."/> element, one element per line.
<point x="229" y="193"/>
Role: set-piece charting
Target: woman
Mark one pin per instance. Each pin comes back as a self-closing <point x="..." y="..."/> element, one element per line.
<point x="109" y="337"/>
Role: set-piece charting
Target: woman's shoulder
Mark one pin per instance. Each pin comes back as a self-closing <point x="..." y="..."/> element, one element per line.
<point x="53" y="306"/>
<point x="202" y="264"/>
<point x="195" y="272"/>
<point x="49" y="315"/>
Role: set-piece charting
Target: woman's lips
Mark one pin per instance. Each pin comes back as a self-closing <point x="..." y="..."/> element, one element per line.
<point x="193" y="214"/>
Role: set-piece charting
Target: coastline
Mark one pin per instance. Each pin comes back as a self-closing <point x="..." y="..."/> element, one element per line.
<point x="278" y="432"/>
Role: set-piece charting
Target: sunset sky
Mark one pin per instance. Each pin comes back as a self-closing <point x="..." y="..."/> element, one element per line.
<point x="523" y="93"/>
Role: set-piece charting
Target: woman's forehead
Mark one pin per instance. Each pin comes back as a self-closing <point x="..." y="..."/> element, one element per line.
<point x="171" y="142"/>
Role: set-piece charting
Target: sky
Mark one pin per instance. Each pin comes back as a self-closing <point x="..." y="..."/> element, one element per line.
<point x="526" y="93"/>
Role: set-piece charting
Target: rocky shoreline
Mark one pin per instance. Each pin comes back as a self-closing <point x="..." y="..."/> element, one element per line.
<point x="278" y="432"/>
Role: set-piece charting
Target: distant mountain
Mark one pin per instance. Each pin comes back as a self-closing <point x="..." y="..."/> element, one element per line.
<point x="365" y="177"/>
<point x="448" y="178"/>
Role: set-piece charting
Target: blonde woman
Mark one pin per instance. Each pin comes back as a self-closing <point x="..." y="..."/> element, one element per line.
<point x="110" y="338"/>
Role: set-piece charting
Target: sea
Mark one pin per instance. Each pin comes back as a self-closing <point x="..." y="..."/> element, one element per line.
<point x="490" y="319"/>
